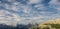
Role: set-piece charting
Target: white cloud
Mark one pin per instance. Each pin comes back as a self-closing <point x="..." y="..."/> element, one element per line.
<point x="40" y="7"/>
<point x="16" y="3"/>
<point x="34" y="1"/>
<point x="16" y="6"/>
<point x="8" y="18"/>
<point x="26" y="9"/>
<point x="41" y="18"/>
<point x="55" y="4"/>
<point x="16" y="18"/>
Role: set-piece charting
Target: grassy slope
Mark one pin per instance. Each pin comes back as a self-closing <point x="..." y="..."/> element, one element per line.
<point x="52" y="24"/>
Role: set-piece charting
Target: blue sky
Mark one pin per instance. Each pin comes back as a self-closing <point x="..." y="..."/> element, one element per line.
<point x="29" y="11"/>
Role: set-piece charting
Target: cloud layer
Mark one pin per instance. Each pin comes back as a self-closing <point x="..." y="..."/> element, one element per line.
<point x="31" y="11"/>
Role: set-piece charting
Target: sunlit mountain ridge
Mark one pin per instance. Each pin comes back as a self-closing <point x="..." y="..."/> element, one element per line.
<point x="51" y="24"/>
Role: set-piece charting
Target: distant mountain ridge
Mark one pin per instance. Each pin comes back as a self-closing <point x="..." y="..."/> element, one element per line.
<point x="51" y="24"/>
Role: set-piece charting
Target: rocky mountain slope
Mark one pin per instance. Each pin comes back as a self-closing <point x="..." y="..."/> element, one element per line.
<point x="51" y="24"/>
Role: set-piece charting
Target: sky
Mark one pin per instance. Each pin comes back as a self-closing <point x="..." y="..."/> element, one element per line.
<point x="28" y="11"/>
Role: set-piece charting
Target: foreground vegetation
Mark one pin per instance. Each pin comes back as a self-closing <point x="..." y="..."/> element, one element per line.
<point x="53" y="24"/>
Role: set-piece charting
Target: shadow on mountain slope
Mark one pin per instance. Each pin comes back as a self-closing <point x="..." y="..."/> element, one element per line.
<point x="21" y="26"/>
